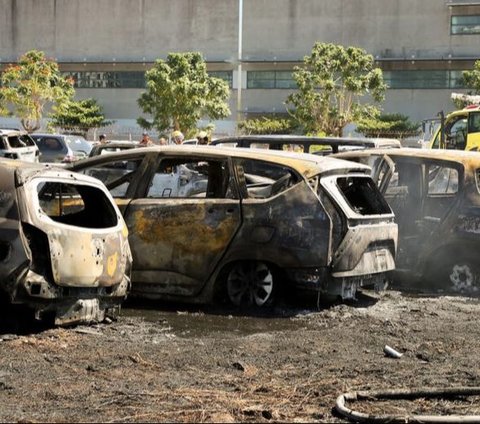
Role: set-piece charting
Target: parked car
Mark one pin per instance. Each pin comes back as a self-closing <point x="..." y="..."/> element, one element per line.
<point x="305" y="144"/>
<point x="64" y="249"/>
<point x="111" y="147"/>
<point x="435" y="195"/>
<point x="17" y="144"/>
<point x="237" y="223"/>
<point x="61" y="147"/>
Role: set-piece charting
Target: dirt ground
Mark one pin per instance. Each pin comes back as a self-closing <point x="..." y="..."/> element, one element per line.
<point x="173" y="364"/>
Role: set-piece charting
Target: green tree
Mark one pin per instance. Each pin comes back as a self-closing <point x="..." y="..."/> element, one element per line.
<point x="471" y="81"/>
<point x="267" y="125"/>
<point x="388" y="125"/>
<point x="78" y="115"/>
<point x="180" y="92"/>
<point x="330" y="86"/>
<point x="27" y="87"/>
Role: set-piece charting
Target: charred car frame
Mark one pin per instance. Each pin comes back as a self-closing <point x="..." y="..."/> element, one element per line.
<point x="435" y="195"/>
<point x="206" y="221"/>
<point x="64" y="249"/>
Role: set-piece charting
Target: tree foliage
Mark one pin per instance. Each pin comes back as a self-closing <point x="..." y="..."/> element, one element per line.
<point x="388" y="125"/>
<point x="330" y="85"/>
<point x="78" y="115"/>
<point x="266" y="125"/>
<point x="180" y="92"/>
<point x="471" y="81"/>
<point x="27" y="87"/>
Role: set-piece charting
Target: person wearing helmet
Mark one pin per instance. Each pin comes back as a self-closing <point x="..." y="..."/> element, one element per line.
<point x="202" y="137"/>
<point x="177" y="137"/>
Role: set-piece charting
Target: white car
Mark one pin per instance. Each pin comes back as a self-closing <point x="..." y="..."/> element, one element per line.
<point x="16" y="144"/>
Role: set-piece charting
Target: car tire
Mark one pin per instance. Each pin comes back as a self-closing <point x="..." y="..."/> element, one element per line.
<point x="457" y="275"/>
<point x="251" y="284"/>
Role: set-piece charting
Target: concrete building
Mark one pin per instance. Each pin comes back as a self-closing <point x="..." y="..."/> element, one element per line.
<point x="422" y="45"/>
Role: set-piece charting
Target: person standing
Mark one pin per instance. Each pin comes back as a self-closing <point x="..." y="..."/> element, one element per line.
<point x="145" y="141"/>
<point x="177" y="137"/>
<point x="202" y="138"/>
<point x="102" y="139"/>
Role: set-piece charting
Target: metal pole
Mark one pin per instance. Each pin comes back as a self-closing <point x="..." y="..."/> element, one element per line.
<point x="239" y="62"/>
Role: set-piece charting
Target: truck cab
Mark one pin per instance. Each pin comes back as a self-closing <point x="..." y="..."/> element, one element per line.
<point x="461" y="130"/>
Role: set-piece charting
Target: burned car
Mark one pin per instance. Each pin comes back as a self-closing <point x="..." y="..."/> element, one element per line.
<point x="64" y="249"/>
<point x="436" y="199"/>
<point x="237" y="224"/>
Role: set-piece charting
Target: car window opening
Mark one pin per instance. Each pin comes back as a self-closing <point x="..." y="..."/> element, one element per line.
<point x="362" y="195"/>
<point x="77" y="205"/>
<point x="178" y="178"/>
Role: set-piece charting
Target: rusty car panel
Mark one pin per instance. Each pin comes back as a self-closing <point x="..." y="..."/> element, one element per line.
<point x="210" y="221"/>
<point x="64" y="245"/>
<point x="436" y="199"/>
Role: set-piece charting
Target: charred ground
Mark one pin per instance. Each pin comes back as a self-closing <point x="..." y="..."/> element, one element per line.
<point x="187" y="365"/>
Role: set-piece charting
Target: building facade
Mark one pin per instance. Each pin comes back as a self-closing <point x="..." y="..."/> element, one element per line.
<point x="107" y="45"/>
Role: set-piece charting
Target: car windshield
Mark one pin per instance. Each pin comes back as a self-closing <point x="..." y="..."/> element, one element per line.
<point x="78" y="144"/>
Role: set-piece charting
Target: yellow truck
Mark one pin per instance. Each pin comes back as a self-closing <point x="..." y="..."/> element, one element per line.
<point x="459" y="130"/>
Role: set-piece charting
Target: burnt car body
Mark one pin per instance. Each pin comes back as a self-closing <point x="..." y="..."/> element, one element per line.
<point x="64" y="249"/>
<point x="306" y="144"/>
<point x="206" y="221"/>
<point x="436" y="199"/>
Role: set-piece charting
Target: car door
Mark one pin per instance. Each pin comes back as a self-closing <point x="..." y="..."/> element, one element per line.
<point x="182" y="225"/>
<point x="421" y="193"/>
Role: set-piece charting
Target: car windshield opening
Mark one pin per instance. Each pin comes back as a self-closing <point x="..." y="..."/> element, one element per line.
<point x="362" y="195"/>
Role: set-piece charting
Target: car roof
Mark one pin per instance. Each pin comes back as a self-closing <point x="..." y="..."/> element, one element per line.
<point x="468" y="160"/>
<point x="460" y="156"/>
<point x="306" y="164"/>
<point x="12" y="131"/>
<point x="307" y="140"/>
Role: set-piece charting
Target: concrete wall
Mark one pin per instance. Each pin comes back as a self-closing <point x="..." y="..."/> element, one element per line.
<point x="127" y="33"/>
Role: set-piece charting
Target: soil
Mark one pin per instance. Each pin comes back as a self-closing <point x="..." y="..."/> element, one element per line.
<point x="178" y="364"/>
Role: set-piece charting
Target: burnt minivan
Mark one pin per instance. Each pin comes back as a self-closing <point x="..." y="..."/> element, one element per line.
<point x="64" y="249"/>
<point x="238" y="224"/>
<point x="435" y="195"/>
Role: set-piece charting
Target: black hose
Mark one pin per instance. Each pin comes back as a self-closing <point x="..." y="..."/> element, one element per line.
<point x="406" y="394"/>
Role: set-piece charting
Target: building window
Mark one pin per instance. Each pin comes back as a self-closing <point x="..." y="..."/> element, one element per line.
<point x="270" y="79"/>
<point x="423" y="79"/>
<point x="107" y="79"/>
<point x="227" y="76"/>
<point x="465" y="24"/>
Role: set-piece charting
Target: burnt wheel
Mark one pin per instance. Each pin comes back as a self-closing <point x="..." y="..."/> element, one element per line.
<point x="250" y="284"/>
<point x="458" y="275"/>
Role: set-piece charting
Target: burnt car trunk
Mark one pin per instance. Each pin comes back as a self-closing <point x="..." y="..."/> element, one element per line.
<point x="64" y="247"/>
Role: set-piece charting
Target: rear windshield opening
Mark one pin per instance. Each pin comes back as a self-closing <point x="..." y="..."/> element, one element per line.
<point x="77" y="205"/>
<point x="363" y="195"/>
<point x="20" y="141"/>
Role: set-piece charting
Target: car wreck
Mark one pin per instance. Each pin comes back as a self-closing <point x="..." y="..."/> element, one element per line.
<point x="64" y="249"/>
<point x="435" y="195"/>
<point x="208" y="223"/>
